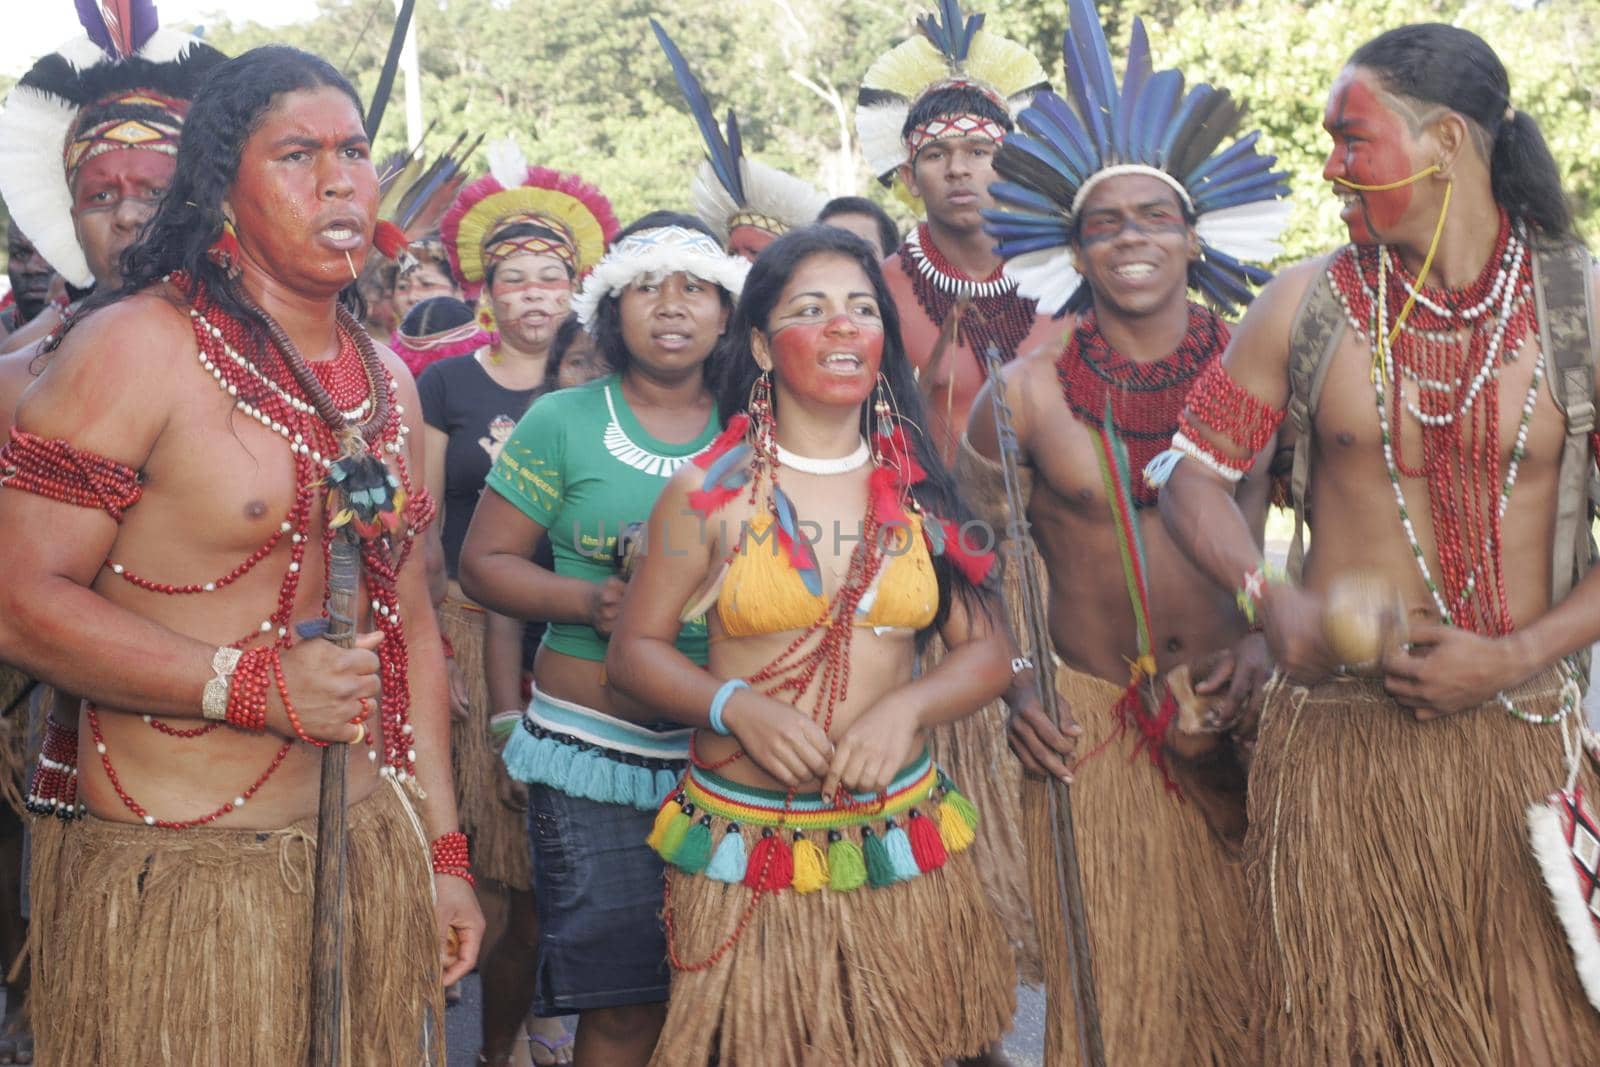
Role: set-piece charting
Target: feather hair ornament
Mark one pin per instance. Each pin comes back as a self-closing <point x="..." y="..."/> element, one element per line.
<point x="950" y="48"/>
<point x="1147" y="126"/>
<point x="127" y="80"/>
<point x="730" y="190"/>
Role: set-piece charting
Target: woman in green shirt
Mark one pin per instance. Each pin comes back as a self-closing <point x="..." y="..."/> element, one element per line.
<point x="581" y="465"/>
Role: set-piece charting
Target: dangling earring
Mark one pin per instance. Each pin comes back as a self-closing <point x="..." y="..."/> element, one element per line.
<point x="762" y="420"/>
<point x="224" y="251"/>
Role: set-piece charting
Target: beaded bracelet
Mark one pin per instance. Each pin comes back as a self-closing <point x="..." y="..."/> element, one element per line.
<point x="288" y="705"/>
<point x="247" y="694"/>
<point x="1254" y="590"/>
<point x="451" y="856"/>
<point x="720" y="702"/>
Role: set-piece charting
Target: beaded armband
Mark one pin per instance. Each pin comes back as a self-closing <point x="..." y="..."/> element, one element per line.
<point x="1222" y="408"/>
<point x="247" y="694"/>
<point x="55" y="470"/>
<point x="1253" y="591"/>
<point x="450" y="856"/>
<point x="54" y="788"/>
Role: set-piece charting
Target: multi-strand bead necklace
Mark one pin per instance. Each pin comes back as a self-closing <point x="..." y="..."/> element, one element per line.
<point x="1458" y="411"/>
<point x="317" y="409"/>
<point x="996" y="314"/>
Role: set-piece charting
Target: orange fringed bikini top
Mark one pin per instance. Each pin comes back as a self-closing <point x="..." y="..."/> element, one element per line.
<point x="763" y="594"/>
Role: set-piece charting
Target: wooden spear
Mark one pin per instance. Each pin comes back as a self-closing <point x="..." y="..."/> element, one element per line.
<point x="327" y="902"/>
<point x="1069" y="878"/>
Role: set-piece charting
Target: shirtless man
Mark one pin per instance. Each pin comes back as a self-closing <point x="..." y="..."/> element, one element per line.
<point x="939" y="139"/>
<point x="1411" y="783"/>
<point x="201" y="439"/>
<point x="1162" y="886"/>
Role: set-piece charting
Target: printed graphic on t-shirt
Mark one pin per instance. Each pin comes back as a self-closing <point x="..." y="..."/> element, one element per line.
<point x="500" y="428"/>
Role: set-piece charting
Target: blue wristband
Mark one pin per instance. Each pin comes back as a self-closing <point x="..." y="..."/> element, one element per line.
<point x="720" y="701"/>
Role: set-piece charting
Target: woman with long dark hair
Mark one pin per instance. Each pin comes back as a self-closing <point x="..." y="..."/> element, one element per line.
<point x="821" y="906"/>
<point x="582" y="465"/>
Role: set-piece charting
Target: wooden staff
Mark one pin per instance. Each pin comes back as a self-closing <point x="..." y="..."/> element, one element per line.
<point x="1069" y="878"/>
<point x="327" y="902"/>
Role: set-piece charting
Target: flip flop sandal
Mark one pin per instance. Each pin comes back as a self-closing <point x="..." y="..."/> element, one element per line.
<point x="551" y="1047"/>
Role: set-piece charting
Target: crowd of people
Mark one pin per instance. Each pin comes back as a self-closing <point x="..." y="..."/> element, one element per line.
<point x="769" y="638"/>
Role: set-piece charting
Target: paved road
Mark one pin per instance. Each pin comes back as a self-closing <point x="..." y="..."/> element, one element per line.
<point x="1025" y="1044"/>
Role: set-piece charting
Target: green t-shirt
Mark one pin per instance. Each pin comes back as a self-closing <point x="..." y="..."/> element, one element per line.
<point x="580" y="465"/>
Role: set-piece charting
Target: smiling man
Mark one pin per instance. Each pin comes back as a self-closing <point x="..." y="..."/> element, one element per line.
<point x="1440" y="372"/>
<point x="932" y="113"/>
<point x="1123" y="245"/>
<point x="163" y="539"/>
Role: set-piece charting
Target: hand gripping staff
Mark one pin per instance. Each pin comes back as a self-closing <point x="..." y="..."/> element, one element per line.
<point x="1069" y="879"/>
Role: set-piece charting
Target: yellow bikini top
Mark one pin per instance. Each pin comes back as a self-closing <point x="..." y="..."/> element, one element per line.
<point x="762" y="594"/>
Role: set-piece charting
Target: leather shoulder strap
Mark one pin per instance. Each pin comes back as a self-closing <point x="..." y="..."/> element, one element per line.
<point x="1564" y="297"/>
<point x="1318" y="328"/>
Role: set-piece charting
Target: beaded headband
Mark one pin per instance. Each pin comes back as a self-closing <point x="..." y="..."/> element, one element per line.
<point x="950" y="127"/>
<point x="655" y="252"/>
<point x="536" y="244"/>
<point x="135" y="119"/>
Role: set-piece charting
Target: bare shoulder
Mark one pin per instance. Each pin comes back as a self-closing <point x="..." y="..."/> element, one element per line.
<point x="112" y="382"/>
<point x="18" y="370"/>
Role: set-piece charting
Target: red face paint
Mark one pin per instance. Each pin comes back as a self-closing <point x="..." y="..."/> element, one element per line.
<point x="114" y="195"/>
<point x="305" y="198"/>
<point x="749" y="242"/>
<point x="801" y="351"/>
<point x="1371" y="146"/>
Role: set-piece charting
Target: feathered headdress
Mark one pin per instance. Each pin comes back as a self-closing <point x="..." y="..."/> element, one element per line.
<point x="951" y="50"/>
<point x="512" y="192"/>
<point x="730" y="190"/>
<point x="1149" y="126"/>
<point x="416" y="194"/>
<point x="126" y="84"/>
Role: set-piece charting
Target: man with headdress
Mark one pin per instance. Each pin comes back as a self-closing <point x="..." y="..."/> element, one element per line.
<point x="1439" y="375"/>
<point x="749" y="204"/>
<point x="932" y="113"/>
<point x="200" y="452"/>
<point x="1098" y="221"/>
<point x="30" y="275"/>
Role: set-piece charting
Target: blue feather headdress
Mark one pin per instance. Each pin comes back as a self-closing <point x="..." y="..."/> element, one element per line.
<point x="126" y="74"/>
<point x="1147" y="126"/>
<point x="730" y="190"/>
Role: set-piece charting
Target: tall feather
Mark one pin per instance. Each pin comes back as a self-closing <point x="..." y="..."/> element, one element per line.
<point x="118" y="27"/>
<point x="1086" y="46"/>
<point x="949" y="32"/>
<point x="507" y="163"/>
<point x="1134" y="80"/>
<point x="1157" y="102"/>
<point x="724" y="158"/>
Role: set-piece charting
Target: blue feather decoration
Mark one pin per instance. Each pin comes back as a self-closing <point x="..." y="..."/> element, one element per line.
<point x="1055" y="124"/>
<point x="809" y="575"/>
<point x="1158" y="102"/>
<point x="1133" y="82"/>
<point x="1019" y="197"/>
<point x="949" y="32"/>
<point x="1100" y="83"/>
<point x="733" y="461"/>
<point x="723" y="155"/>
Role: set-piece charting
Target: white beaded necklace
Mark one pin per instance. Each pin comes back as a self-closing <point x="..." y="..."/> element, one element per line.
<point x="960" y="288"/>
<point x="836" y="465"/>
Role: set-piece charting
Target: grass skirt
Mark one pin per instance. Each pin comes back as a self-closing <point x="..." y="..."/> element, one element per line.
<point x="899" y="966"/>
<point x="498" y="831"/>
<point x="1404" y="918"/>
<point x="1163" y="898"/>
<point x="193" y="946"/>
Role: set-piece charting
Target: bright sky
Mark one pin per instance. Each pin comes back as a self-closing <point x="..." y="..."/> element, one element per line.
<point x="48" y="24"/>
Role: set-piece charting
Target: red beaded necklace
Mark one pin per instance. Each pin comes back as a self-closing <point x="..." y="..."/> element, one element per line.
<point x="311" y="408"/>
<point x="995" y="315"/>
<point x="1146" y="398"/>
<point x="1450" y="351"/>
